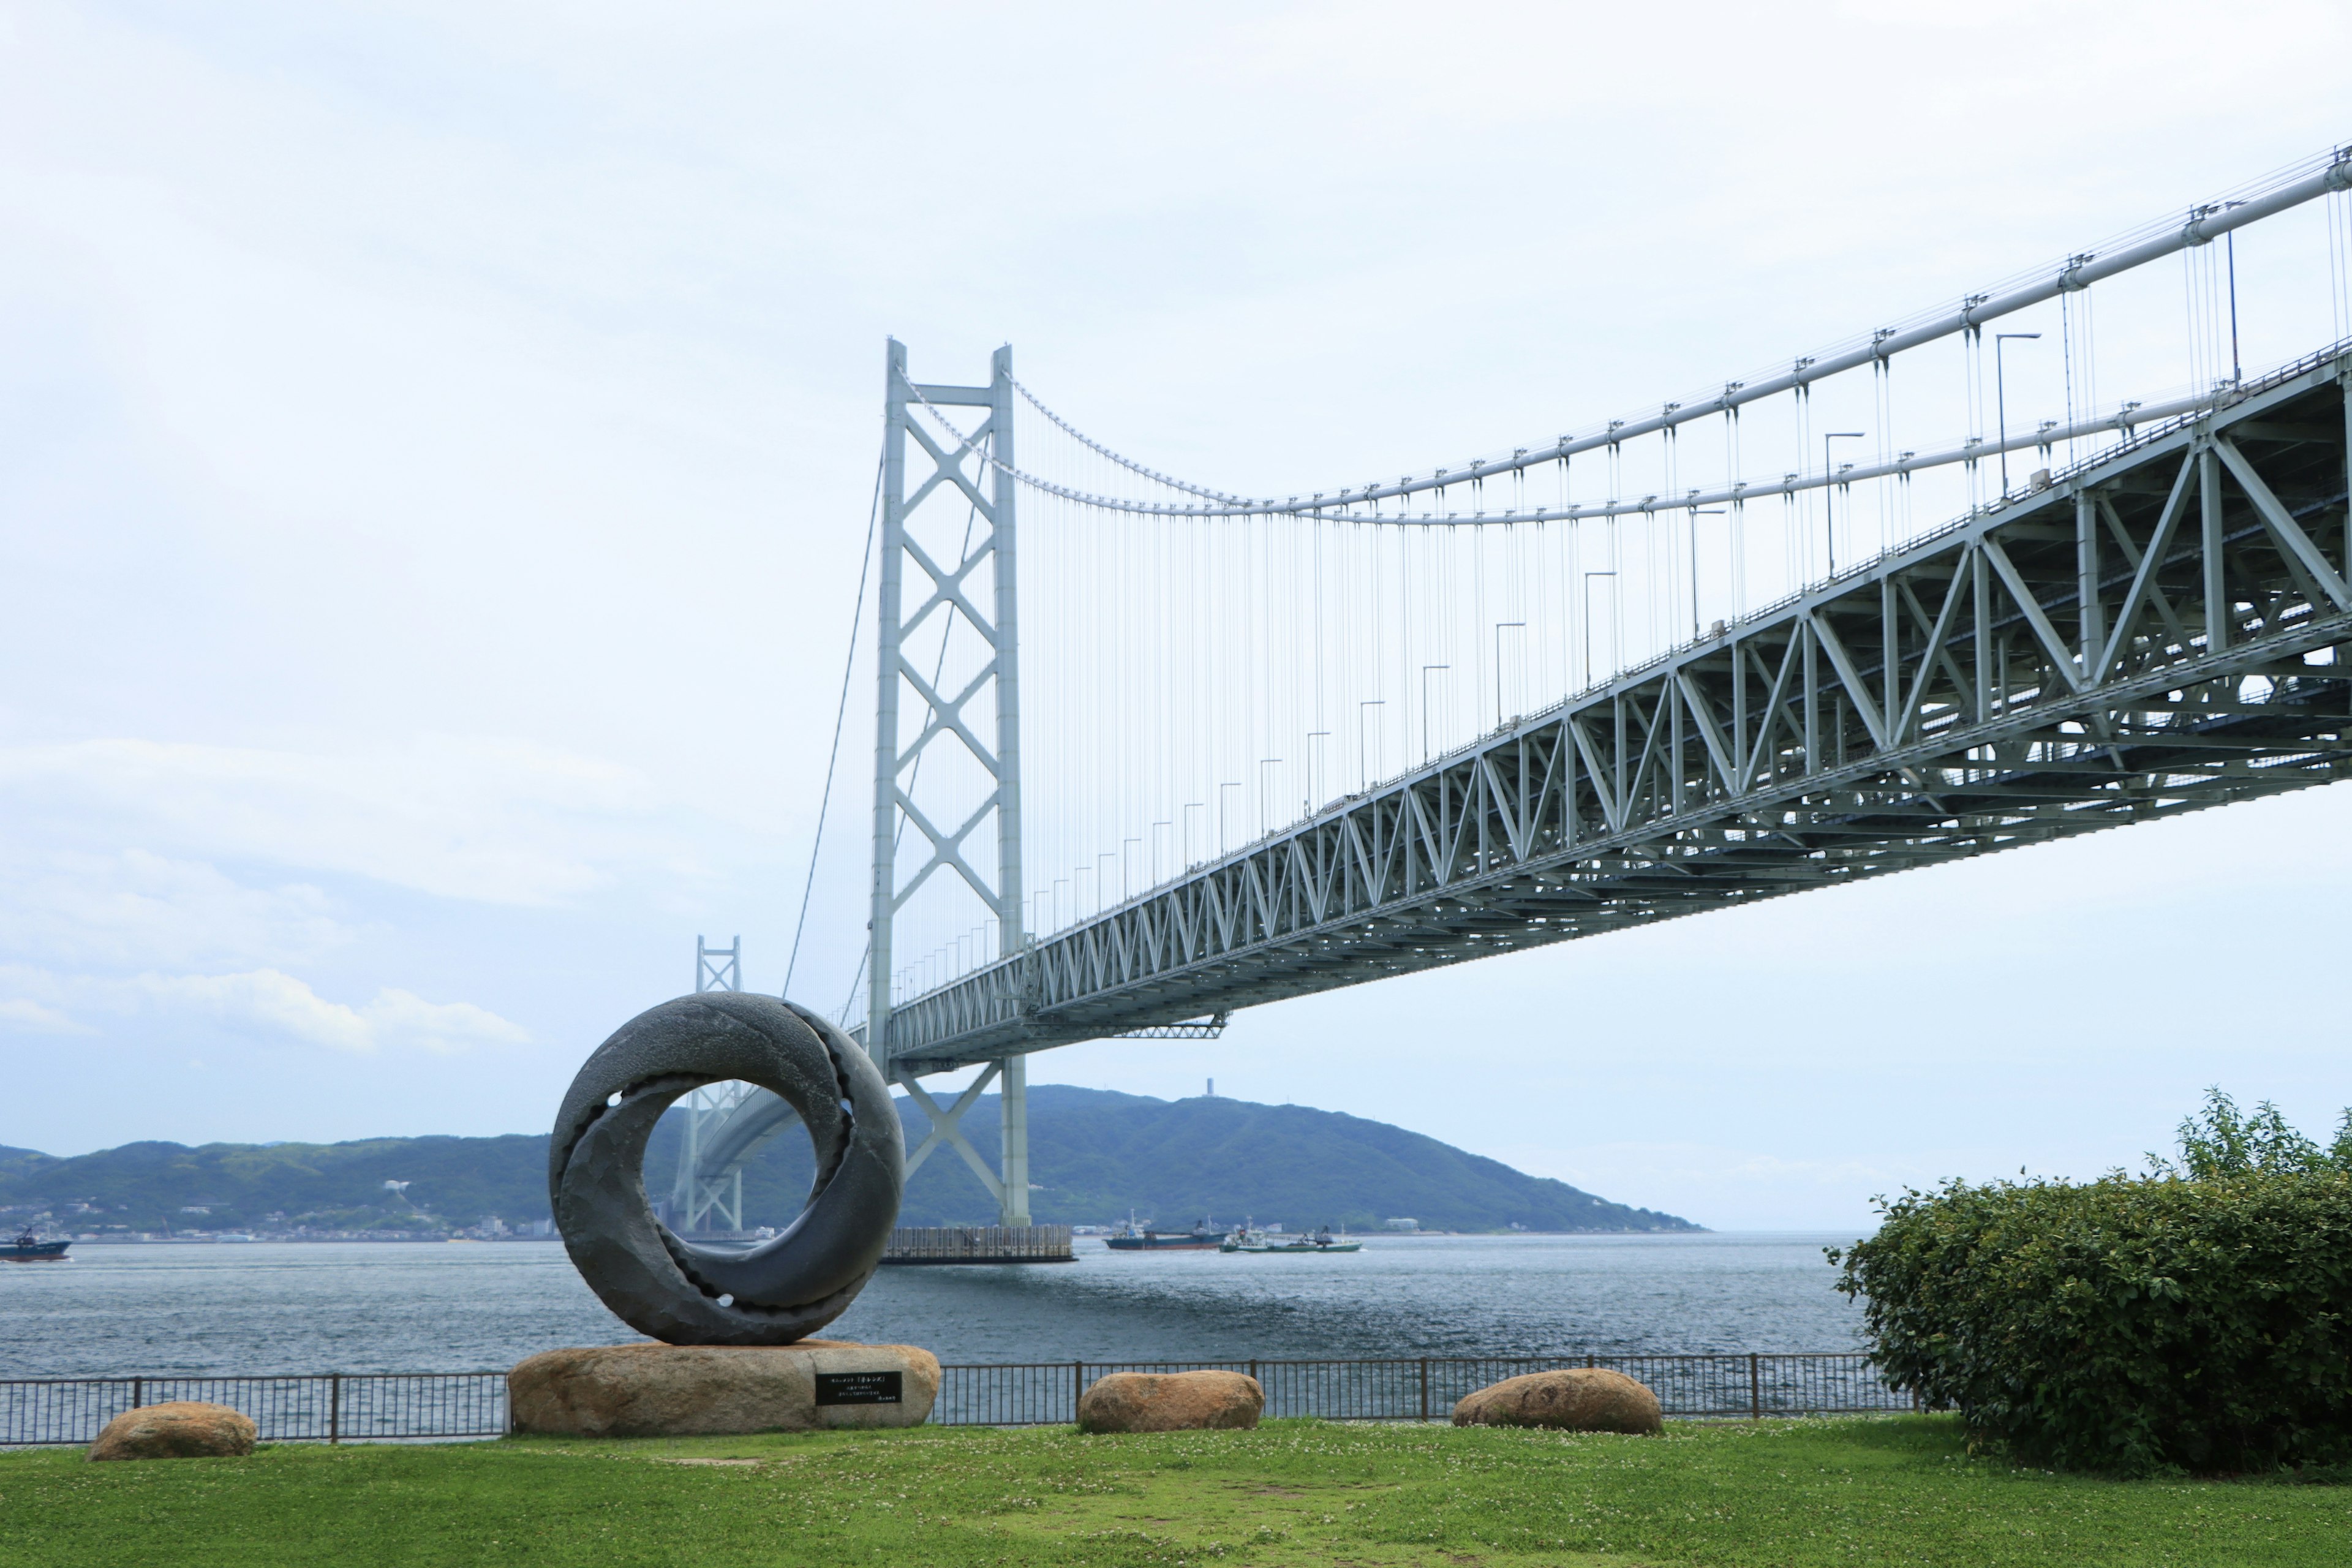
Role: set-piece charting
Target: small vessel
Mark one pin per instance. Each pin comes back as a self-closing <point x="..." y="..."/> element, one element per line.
<point x="1132" y="1237"/>
<point x="30" y="1248"/>
<point x="1322" y="1241"/>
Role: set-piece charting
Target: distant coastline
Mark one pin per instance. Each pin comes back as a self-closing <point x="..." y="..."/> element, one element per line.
<point x="1097" y="1157"/>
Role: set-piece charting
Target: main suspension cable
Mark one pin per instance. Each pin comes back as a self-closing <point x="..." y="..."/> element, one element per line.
<point x="840" y="714"/>
<point x="2312" y="178"/>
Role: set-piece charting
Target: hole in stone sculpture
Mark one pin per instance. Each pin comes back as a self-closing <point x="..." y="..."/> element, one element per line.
<point x="718" y="1171"/>
<point x="613" y="1098"/>
<point x="725" y="1301"/>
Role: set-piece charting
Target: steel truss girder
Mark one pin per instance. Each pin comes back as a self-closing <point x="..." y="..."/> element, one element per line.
<point x="2133" y="642"/>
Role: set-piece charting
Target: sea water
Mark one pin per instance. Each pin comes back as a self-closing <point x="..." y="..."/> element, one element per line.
<point x="295" y="1307"/>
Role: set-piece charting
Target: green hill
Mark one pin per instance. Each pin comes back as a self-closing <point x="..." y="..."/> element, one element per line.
<point x="1094" y="1156"/>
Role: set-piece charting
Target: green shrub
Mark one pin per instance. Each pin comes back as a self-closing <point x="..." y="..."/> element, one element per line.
<point x="2197" y="1318"/>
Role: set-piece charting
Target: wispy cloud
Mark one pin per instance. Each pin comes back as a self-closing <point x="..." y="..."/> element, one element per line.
<point x="270" y="1000"/>
<point x="502" y="822"/>
<point x="135" y="910"/>
<point x="257" y="1003"/>
<point x="22" y="1014"/>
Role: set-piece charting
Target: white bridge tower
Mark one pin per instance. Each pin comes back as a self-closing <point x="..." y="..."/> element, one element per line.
<point x="956" y="527"/>
<point x="692" y="1199"/>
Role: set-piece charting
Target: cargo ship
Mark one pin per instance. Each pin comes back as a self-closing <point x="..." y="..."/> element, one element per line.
<point x="30" y="1248"/>
<point x="1202" y="1237"/>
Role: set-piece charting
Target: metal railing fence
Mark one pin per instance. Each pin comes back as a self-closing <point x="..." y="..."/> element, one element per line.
<point x="322" y="1407"/>
<point x="1426" y="1388"/>
<point x="351" y="1407"/>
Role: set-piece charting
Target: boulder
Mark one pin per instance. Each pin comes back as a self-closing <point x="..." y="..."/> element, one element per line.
<point x="181" y="1429"/>
<point x="1586" y="1399"/>
<point x="674" y="1391"/>
<point x="1171" y="1402"/>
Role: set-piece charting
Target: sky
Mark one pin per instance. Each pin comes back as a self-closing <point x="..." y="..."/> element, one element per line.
<point x="434" y="451"/>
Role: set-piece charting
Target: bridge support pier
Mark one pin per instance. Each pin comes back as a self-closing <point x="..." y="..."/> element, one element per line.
<point x="1013" y="1107"/>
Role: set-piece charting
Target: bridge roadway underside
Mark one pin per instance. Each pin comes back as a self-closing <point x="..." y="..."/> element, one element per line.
<point x="2160" y="630"/>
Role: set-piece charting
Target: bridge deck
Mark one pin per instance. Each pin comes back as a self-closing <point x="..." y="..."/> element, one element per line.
<point x="2157" y="631"/>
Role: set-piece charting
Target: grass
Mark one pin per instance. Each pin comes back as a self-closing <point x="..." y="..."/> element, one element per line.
<point x="1787" y="1494"/>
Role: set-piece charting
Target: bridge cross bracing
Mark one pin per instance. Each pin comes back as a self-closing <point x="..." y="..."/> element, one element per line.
<point x="2152" y="623"/>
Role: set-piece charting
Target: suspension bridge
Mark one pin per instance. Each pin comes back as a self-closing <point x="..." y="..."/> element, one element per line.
<point x="1280" y="744"/>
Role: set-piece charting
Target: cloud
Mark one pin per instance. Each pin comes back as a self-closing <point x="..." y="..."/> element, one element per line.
<point x="278" y="1002"/>
<point x="502" y="822"/>
<point x="409" y="1019"/>
<point x="21" y="1015"/>
<point x="135" y="910"/>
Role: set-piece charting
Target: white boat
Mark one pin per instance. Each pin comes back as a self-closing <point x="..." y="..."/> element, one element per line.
<point x="1322" y="1241"/>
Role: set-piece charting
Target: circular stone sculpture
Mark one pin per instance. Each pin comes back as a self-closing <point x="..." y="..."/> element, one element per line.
<point x="672" y="1290"/>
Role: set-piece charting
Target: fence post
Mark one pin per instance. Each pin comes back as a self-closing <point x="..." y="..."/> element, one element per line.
<point x="138" y="1391"/>
<point x="335" y="1407"/>
<point x="1424" y="1388"/>
<point x="1755" y="1388"/>
<point x="1077" y="1386"/>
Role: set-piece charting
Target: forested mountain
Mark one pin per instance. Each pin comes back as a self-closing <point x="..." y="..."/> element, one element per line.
<point x="1094" y="1156"/>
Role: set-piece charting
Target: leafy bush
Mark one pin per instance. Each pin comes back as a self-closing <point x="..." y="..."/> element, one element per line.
<point x="2197" y="1318"/>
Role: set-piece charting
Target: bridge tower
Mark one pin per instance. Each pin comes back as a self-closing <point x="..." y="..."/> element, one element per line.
<point x="693" y="1198"/>
<point x="956" y="520"/>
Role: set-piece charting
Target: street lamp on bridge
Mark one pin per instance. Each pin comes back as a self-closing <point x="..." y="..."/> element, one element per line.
<point x="1829" y="491"/>
<point x="1501" y="626"/>
<point x="1589" y="576"/>
<point x="1694" y="516"/>
<point x="1427" y="749"/>
<point x="2000" y="401"/>
<point x="1265" y="790"/>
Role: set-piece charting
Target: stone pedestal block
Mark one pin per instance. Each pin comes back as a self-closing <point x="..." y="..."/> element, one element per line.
<point x="675" y="1390"/>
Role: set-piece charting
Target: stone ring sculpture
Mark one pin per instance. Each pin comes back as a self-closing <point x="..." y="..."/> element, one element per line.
<point x="672" y="1290"/>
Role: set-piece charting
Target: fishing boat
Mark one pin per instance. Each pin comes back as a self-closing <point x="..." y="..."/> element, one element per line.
<point x="1322" y="1241"/>
<point x="1132" y="1237"/>
<point x="1245" y="1237"/>
<point x="30" y="1248"/>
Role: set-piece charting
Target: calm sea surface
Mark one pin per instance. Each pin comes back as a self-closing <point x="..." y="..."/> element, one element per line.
<point x="359" y="1307"/>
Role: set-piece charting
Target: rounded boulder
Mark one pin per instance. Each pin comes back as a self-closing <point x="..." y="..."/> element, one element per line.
<point x="182" y="1429"/>
<point x="1583" y="1399"/>
<point x="1171" y="1402"/>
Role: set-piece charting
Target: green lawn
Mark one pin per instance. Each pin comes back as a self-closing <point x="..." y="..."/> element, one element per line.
<point x="1782" y="1493"/>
